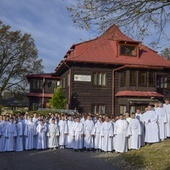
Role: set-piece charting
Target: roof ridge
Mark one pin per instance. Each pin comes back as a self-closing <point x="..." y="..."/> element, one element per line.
<point x="113" y="32"/>
<point x="85" y="47"/>
<point x="83" y="42"/>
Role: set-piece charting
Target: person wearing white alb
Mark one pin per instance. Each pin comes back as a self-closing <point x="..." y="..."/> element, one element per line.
<point x="69" y="137"/>
<point x="29" y="133"/>
<point x="53" y="133"/>
<point x="78" y="132"/>
<point x="120" y="130"/>
<point x="41" y="135"/>
<point x="63" y="129"/>
<point x="166" y="105"/>
<point x="88" y="133"/>
<point x="139" y="116"/>
<point x="97" y="134"/>
<point x="19" y="138"/>
<point x="162" y="120"/>
<point x="10" y="135"/>
<point x="151" y="125"/>
<point x="107" y="135"/>
<point x="134" y="131"/>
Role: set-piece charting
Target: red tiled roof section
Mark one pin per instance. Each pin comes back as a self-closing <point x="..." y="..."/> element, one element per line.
<point x="105" y="50"/>
<point x="138" y="93"/>
<point x="113" y="33"/>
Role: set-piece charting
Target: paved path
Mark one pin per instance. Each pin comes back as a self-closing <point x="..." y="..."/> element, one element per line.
<point x="65" y="159"/>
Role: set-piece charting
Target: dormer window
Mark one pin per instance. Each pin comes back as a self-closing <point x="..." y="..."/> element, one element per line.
<point x="128" y="50"/>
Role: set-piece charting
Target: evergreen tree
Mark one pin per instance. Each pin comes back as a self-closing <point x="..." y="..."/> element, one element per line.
<point x="58" y="99"/>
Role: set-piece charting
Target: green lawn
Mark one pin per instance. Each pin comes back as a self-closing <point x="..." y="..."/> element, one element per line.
<point x="154" y="157"/>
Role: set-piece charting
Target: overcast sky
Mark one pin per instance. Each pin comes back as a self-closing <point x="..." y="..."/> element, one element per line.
<point x="49" y="24"/>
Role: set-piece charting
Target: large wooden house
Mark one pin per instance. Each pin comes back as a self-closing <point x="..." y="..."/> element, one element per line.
<point x="113" y="74"/>
<point x="41" y="89"/>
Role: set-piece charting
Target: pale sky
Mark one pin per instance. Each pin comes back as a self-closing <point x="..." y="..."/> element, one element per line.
<point x="49" y="24"/>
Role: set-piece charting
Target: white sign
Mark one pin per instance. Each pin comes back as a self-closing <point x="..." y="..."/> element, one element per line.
<point x="86" y="78"/>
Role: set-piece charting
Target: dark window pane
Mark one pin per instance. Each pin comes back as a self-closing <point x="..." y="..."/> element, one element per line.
<point x="99" y="79"/>
<point x="162" y="81"/>
<point x="142" y="78"/>
<point x="151" y="79"/>
<point x="95" y="79"/>
<point x="133" y="77"/>
<point x="123" y="79"/>
<point x="99" y="108"/>
<point x="128" y="50"/>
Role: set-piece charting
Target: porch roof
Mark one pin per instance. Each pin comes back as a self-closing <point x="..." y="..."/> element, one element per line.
<point x="138" y="93"/>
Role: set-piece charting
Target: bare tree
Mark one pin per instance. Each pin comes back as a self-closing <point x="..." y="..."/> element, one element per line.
<point x="138" y="18"/>
<point x="18" y="57"/>
<point x="166" y="53"/>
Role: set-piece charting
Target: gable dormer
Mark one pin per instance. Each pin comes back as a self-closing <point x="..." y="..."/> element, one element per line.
<point x="128" y="48"/>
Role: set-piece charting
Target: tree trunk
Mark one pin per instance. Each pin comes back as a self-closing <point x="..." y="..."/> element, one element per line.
<point x="1" y="103"/>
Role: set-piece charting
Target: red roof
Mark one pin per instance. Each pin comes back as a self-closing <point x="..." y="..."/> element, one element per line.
<point x="105" y="50"/>
<point x="138" y="93"/>
<point x="39" y="95"/>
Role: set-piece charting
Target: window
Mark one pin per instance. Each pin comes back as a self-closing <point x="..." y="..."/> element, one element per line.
<point x="151" y="79"/>
<point x="37" y="84"/>
<point x="133" y="78"/>
<point x="99" y="108"/>
<point x="123" y="79"/>
<point x="128" y="50"/>
<point x="141" y="107"/>
<point x="99" y="79"/>
<point x="162" y="81"/>
<point x="95" y="79"/>
<point x="142" y="78"/>
<point x="122" y="109"/>
<point x="58" y="83"/>
<point x="132" y="109"/>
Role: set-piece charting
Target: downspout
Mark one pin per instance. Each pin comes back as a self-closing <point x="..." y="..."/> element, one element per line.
<point x="113" y="86"/>
<point x="43" y="92"/>
<point x="69" y="88"/>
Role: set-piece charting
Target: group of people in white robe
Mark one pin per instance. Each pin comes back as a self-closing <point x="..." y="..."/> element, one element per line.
<point x="85" y="133"/>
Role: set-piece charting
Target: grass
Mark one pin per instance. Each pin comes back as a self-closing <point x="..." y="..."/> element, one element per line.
<point x="152" y="157"/>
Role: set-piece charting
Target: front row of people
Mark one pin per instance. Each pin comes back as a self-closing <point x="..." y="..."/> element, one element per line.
<point x="108" y="135"/>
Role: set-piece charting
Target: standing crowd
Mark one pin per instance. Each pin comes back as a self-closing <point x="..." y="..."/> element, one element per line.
<point x="86" y="131"/>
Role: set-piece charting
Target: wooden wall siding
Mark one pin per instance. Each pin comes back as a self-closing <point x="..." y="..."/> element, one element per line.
<point x="116" y="89"/>
<point x="65" y="89"/>
<point x="87" y="94"/>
